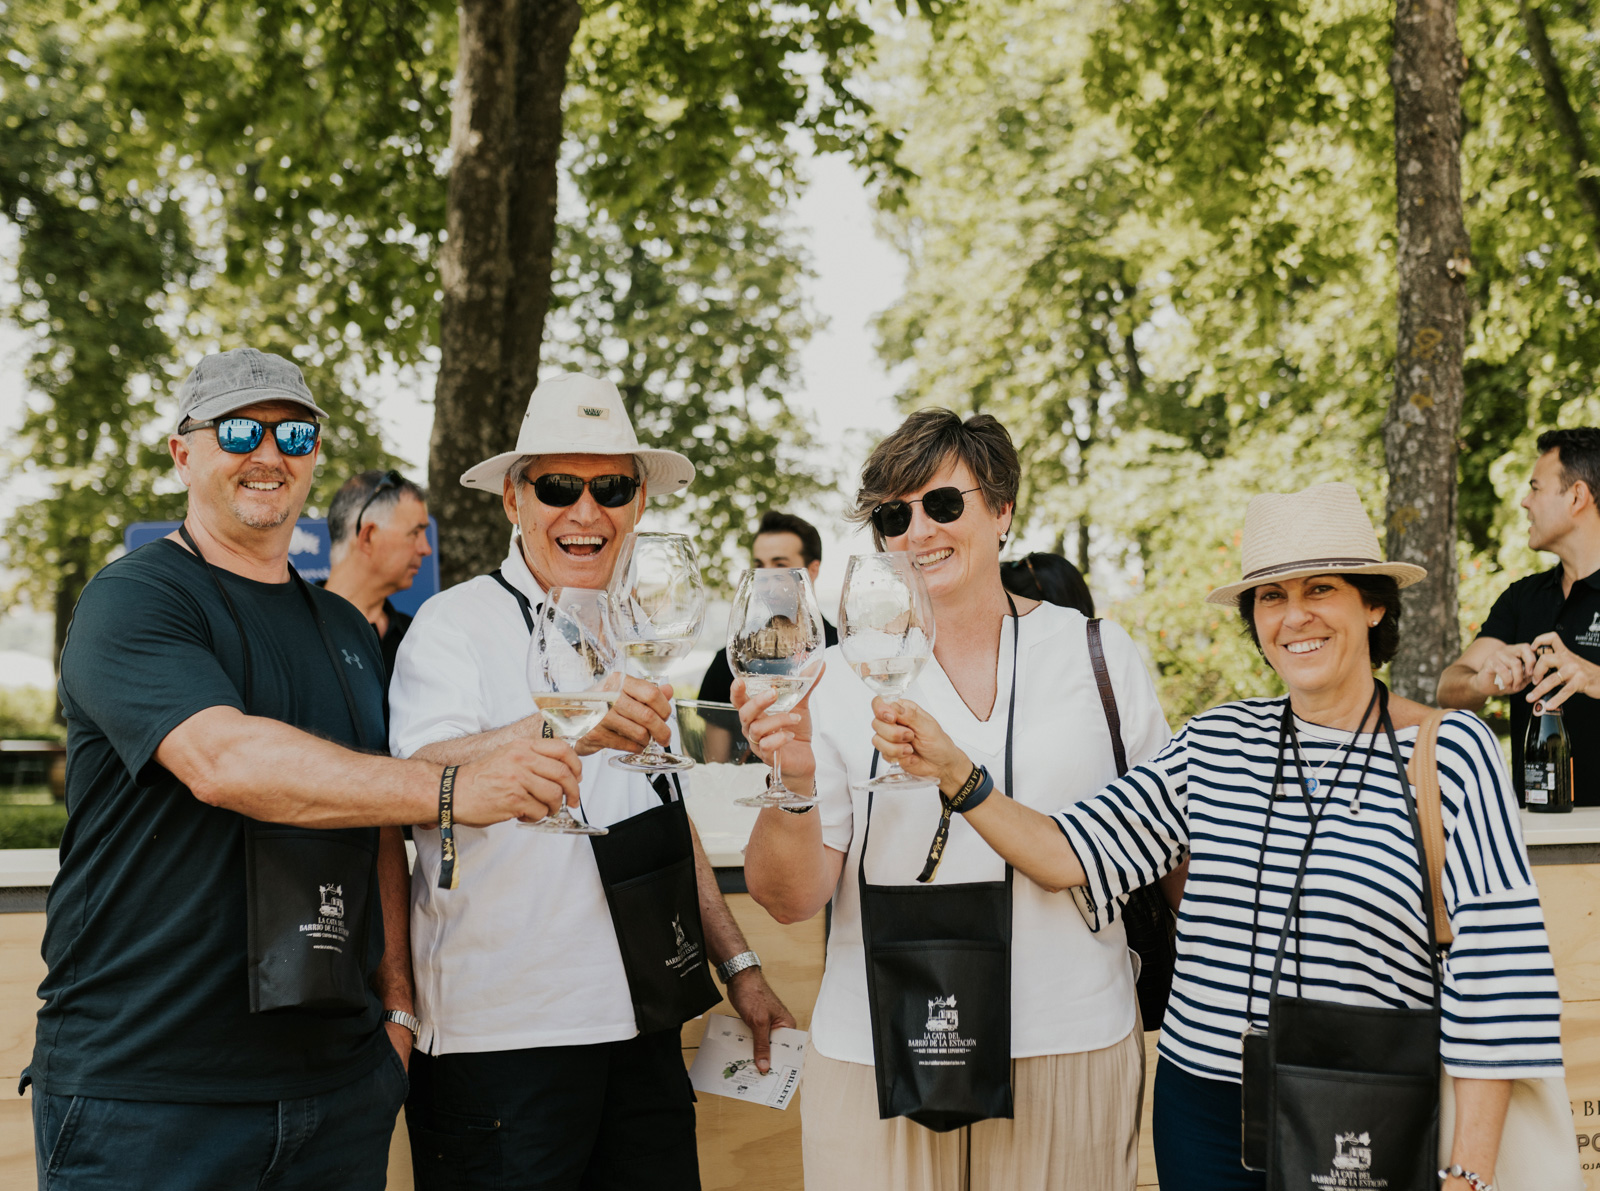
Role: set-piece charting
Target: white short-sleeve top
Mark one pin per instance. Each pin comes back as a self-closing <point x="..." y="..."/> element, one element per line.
<point x="1072" y="990"/>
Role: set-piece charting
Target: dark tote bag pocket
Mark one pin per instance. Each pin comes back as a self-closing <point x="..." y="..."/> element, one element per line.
<point x="309" y="904"/>
<point x="943" y="1020"/>
<point x="1340" y="1129"/>
<point x="657" y="918"/>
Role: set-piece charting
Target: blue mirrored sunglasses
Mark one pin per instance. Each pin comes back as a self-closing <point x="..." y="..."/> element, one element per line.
<point x="240" y="436"/>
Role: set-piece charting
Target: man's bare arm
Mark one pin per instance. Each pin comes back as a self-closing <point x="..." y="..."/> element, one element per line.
<point x="392" y="980"/>
<point x="749" y="993"/>
<point x="464" y="750"/>
<point x="275" y="773"/>
<point x="1488" y="667"/>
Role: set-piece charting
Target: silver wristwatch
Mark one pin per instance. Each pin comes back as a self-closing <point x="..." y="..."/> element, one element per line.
<point x="731" y="968"/>
<point x="401" y="1018"/>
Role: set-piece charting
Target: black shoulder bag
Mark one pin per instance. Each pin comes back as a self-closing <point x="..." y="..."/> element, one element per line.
<point x="1334" y="1095"/>
<point x="308" y="892"/>
<point x="1147" y="918"/>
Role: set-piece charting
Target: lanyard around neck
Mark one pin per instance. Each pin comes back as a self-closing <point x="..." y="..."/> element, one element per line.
<point x="1288" y="736"/>
<point x="941" y="834"/>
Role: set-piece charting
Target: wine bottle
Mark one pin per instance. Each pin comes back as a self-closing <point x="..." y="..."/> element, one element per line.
<point x="1547" y="761"/>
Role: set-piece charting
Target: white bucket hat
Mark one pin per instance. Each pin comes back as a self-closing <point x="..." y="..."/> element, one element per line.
<point x="1322" y="530"/>
<point x="573" y="414"/>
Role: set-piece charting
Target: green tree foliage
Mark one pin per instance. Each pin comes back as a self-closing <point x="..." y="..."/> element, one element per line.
<point x="1156" y="238"/>
<point x="191" y="175"/>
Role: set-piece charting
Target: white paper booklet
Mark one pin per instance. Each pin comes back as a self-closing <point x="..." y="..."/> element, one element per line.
<point x="726" y="1064"/>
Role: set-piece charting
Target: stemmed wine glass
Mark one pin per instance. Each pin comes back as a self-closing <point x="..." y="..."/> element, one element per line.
<point x="886" y="634"/>
<point x="775" y="643"/>
<point x="657" y="603"/>
<point x="572" y="671"/>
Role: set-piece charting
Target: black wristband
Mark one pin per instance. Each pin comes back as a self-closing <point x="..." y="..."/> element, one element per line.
<point x="447" y="838"/>
<point x="976" y="788"/>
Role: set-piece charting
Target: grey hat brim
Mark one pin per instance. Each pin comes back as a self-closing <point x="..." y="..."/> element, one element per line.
<point x="221" y="404"/>
<point x="665" y="472"/>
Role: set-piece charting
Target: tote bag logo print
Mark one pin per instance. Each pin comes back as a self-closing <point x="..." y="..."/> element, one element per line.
<point x="942" y="1015"/>
<point x="1352" y="1159"/>
<point x="688" y="953"/>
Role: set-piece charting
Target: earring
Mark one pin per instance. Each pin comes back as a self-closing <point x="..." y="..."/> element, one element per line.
<point x="1004" y="538"/>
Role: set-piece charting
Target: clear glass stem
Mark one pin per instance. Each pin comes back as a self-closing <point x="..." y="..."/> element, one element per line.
<point x="775" y="787"/>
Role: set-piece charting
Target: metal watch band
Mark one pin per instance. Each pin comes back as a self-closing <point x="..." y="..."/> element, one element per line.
<point x="401" y="1018"/>
<point x="731" y="968"/>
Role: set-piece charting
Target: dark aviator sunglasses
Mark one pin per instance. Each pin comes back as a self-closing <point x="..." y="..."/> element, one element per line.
<point x="239" y="436"/>
<point x="893" y="517"/>
<point x="609" y="492"/>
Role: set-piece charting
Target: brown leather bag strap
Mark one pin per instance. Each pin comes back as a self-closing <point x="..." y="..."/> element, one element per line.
<point x="1424" y="774"/>
<point x="1108" y="697"/>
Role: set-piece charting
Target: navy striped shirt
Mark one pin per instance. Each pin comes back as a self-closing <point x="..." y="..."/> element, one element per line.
<point x="1361" y="914"/>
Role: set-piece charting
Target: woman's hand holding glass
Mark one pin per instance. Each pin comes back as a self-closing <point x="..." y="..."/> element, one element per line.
<point x="768" y="731"/>
<point x="910" y="737"/>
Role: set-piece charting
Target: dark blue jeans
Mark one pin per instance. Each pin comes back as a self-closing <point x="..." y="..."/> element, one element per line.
<point x="1195" y="1128"/>
<point x="338" y="1141"/>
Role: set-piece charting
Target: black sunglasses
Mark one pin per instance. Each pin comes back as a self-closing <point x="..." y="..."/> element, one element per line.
<point x="391" y="479"/>
<point x="240" y="436"/>
<point x="609" y="492"/>
<point x="893" y="517"/>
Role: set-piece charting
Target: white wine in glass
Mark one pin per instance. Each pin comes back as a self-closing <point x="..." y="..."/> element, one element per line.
<point x="657" y="602"/>
<point x="573" y="674"/>
<point x="886" y="634"/>
<point x="775" y="643"/>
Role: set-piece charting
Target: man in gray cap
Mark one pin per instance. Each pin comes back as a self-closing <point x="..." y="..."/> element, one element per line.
<point x="228" y="1003"/>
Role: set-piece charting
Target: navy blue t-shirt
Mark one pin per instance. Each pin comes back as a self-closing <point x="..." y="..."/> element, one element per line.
<point x="147" y="996"/>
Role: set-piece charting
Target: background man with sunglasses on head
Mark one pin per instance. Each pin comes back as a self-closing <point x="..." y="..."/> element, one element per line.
<point x="378" y="527"/>
<point x="229" y="990"/>
<point x="531" y="1069"/>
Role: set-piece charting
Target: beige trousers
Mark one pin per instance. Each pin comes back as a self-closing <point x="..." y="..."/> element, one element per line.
<point x="1076" y="1129"/>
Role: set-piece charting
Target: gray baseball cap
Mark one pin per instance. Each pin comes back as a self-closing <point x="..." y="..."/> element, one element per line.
<point x="226" y="381"/>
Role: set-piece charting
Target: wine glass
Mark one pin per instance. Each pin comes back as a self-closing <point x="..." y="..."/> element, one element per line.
<point x="775" y="643"/>
<point x="572" y="671"/>
<point x="886" y="634"/>
<point x="657" y="603"/>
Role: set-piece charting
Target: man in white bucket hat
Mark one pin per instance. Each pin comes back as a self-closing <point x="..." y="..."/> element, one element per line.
<point x="540" y="1061"/>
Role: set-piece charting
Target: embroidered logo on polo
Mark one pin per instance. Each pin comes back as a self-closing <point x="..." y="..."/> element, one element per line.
<point x="688" y="956"/>
<point x="943" y="1044"/>
<point x="1352" y="1159"/>
<point x="327" y="930"/>
<point x="351" y="659"/>
<point x="1591" y="635"/>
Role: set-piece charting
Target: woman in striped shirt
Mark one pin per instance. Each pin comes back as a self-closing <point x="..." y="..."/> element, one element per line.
<point x="1324" y="611"/>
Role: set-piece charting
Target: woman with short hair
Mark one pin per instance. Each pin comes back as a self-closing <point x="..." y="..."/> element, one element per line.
<point x="1055" y="1030"/>
<point x="1261" y="793"/>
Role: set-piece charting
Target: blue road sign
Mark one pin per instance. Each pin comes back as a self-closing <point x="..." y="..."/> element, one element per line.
<point x="308" y="550"/>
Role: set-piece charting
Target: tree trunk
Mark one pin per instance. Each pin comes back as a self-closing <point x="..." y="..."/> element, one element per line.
<point x="505" y="142"/>
<point x="1433" y="258"/>
<point x="468" y="414"/>
<point x="1566" y="118"/>
<point x="544" y="45"/>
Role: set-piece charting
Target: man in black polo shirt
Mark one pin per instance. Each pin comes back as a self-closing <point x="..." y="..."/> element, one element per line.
<point x="1559" y="608"/>
<point x="228" y="998"/>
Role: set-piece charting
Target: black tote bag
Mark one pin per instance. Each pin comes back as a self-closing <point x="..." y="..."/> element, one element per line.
<point x="1344" y="1096"/>
<point x="309" y="893"/>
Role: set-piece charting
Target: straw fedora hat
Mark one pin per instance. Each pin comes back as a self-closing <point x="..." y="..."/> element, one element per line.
<point x="1321" y="530"/>
<point x="573" y="414"/>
